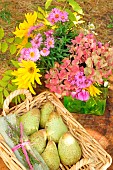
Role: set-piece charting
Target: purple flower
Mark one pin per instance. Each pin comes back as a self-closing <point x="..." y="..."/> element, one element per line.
<point x="99" y="44"/>
<point x="81" y="81"/>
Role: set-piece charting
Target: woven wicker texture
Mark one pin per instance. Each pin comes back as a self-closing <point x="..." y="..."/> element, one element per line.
<point x="94" y="157"/>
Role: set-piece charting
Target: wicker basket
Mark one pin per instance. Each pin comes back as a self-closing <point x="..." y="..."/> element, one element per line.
<point x="94" y="157"/>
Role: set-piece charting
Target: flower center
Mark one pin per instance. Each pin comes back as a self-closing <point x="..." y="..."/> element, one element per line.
<point x="50" y="43"/>
<point x="31" y="70"/>
<point x="36" y="41"/>
<point x="62" y="17"/>
<point x="53" y="20"/>
<point x="56" y="15"/>
<point x="32" y="54"/>
<point x="44" y="51"/>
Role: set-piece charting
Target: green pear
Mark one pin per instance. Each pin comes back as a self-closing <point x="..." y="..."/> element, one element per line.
<point x="38" y="140"/>
<point x="30" y="121"/>
<point x="69" y="149"/>
<point x="50" y="156"/>
<point x="46" y="109"/>
<point x="55" y="127"/>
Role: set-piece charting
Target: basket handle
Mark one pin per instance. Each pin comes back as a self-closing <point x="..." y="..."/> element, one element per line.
<point x="12" y="95"/>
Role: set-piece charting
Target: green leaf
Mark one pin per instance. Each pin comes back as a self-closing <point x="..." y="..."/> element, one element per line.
<point x="18" y="40"/>
<point x="1" y="33"/>
<point x="8" y="73"/>
<point x="76" y="7"/>
<point x="6" y="93"/>
<point x="1" y="89"/>
<point x="12" y="49"/>
<point x="41" y="11"/>
<point x="6" y="78"/>
<point x="28" y="45"/>
<point x="47" y="4"/>
<point x="15" y="63"/>
<point x="15" y="100"/>
<point x="4" y="47"/>
<point x="11" y="87"/>
<point x="1" y="98"/>
<point x="10" y="40"/>
<point x="71" y="15"/>
<point x="0" y="45"/>
<point x="40" y="16"/>
<point x="3" y="83"/>
<point x="22" y="97"/>
<point x="18" y="99"/>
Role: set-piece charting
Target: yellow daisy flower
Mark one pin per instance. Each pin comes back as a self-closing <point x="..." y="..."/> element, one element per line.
<point x="23" y="29"/>
<point x="93" y="90"/>
<point x="26" y="75"/>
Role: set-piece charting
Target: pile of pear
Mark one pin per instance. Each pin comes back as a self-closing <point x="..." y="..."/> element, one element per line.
<point x="50" y="137"/>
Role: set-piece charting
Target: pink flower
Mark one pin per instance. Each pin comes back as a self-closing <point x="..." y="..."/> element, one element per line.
<point x="49" y="33"/>
<point x="54" y="16"/>
<point x="34" y="54"/>
<point x="44" y="52"/>
<point x="37" y="41"/>
<point x="81" y="95"/>
<point x="63" y="16"/>
<point x="49" y="42"/>
<point x="57" y="15"/>
<point x="30" y="54"/>
<point x="34" y="28"/>
<point x="24" y="54"/>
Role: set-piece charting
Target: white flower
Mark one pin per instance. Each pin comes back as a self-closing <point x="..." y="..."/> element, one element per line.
<point x="105" y="83"/>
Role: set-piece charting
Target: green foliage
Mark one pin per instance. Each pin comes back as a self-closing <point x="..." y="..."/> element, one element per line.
<point x="12" y="49"/>
<point x="110" y="25"/>
<point x="41" y="11"/>
<point x="5" y="14"/>
<point x="48" y="3"/>
<point x="75" y="6"/>
<point x="1" y="33"/>
<point x="15" y="63"/>
<point x="4" y="47"/>
<point x="8" y="43"/>
<point x="7" y="86"/>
